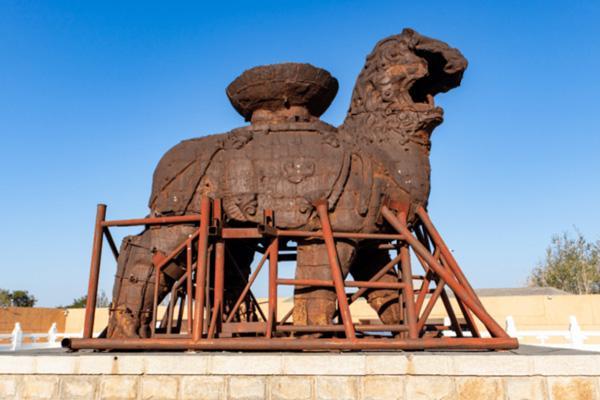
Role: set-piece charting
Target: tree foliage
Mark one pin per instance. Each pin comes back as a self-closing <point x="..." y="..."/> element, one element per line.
<point x="79" y="302"/>
<point x="5" y="300"/>
<point x="16" y="298"/>
<point x="571" y="264"/>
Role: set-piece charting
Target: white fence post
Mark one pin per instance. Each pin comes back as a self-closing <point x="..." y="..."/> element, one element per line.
<point x="575" y="333"/>
<point x="52" y="334"/>
<point x="16" y="337"/>
<point x="511" y="327"/>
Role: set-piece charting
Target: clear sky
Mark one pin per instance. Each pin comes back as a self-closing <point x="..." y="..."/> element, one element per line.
<point x="93" y="93"/>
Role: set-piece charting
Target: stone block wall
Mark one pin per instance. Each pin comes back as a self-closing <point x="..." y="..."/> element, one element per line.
<point x="415" y="376"/>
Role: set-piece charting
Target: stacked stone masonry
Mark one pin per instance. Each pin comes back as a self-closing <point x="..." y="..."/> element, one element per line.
<point x="494" y="376"/>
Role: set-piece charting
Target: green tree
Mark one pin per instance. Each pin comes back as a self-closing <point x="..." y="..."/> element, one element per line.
<point x="571" y="264"/>
<point x="79" y="302"/>
<point x="16" y="298"/>
<point x="5" y="299"/>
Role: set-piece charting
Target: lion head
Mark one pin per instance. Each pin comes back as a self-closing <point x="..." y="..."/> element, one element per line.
<point x="402" y="75"/>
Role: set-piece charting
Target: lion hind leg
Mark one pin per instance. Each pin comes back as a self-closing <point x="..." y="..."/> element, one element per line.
<point x="133" y="291"/>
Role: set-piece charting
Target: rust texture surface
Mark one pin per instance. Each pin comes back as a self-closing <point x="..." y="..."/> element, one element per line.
<point x="346" y="195"/>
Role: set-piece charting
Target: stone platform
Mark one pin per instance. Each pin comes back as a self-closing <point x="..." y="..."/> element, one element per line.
<point x="529" y="373"/>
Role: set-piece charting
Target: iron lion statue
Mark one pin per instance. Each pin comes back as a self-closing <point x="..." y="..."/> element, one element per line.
<point x="286" y="160"/>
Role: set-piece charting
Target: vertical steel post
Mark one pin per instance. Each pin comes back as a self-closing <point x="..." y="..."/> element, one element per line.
<point x="273" y="272"/>
<point x="217" y="316"/>
<point x="219" y="264"/>
<point x="155" y="300"/>
<point x="189" y="283"/>
<point x="273" y="251"/>
<point x="201" y="269"/>
<point x="408" y="292"/>
<point x="90" y="304"/>
<point x="336" y="271"/>
<point x="219" y="286"/>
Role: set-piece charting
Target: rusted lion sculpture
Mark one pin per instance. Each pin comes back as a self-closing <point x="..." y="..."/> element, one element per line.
<point x="287" y="159"/>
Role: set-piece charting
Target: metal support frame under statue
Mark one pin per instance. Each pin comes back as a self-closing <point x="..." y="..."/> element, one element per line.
<point x="247" y="326"/>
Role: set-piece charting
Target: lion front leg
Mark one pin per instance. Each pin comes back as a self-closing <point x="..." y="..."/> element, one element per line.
<point x="316" y="306"/>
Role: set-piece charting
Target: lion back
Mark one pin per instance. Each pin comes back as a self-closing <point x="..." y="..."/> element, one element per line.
<point x="179" y="174"/>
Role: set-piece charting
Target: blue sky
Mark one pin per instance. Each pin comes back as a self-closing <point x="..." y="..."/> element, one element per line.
<point x="93" y="93"/>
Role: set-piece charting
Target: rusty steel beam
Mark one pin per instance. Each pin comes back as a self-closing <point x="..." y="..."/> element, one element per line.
<point x="426" y="280"/>
<point x="338" y="235"/>
<point x="273" y="272"/>
<point x="278" y="344"/>
<point x="458" y="289"/>
<point x="336" y="270"/>
<point x="446" y="253"/>
<point x="189" y="283"/>
<point x="340" y="328"/>
<point x="246" y="289"/>
<point x="90" y="304"/>
<point x="202" y="265"/>
<point x="256" y="233"/>
<point x="357" y="284"/>
<point x="172" y="302"/>
<point x="152" y="221"/>
<point x="409" y="296"/>
<point x="111" y="243"/>
<point x="375" y="278"/>
<point x="451" y="314"/>
<point x="430" y="304"/>
<point x="219" y="285"/>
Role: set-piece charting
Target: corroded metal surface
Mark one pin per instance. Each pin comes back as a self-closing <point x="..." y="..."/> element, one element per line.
<point x="212" y="325"/>
<point x="289" y="174"/>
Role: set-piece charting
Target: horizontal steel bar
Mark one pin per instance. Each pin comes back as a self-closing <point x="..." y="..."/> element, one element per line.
<point x="241" y="233"/>
<point x="324" y="283"/>
<point x="256" y="233"/>
<point x="340" y="235"/>
<point x="243" y="327"/>
<point x="283" y="344"/>
<point x="153" y="221"/>
<point x="340" y="328"/>
<point x="248" y="233"/>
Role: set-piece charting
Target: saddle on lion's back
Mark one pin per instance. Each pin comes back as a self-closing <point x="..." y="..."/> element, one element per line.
<point x="284" y="161"/>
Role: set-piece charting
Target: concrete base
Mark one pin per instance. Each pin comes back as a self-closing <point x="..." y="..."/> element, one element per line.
<point x="529" y="373"/>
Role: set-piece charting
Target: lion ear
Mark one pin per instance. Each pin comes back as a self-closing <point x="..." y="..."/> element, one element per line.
<point x="446" y="64"/>
<point x="407" y="32"/>
<point x="454" y="60"/>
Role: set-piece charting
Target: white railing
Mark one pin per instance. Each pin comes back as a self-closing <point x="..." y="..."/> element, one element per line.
<point x="20" y="340"/>
<point x="574" y="337"/>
